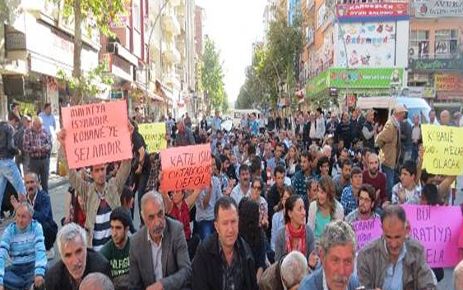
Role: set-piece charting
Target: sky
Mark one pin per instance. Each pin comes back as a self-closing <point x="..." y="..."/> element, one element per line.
<point x="234" y="26"/>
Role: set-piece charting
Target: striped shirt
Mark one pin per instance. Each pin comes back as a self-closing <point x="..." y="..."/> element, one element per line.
<point x="23" y="247"/>
<point x="102" y="230"/>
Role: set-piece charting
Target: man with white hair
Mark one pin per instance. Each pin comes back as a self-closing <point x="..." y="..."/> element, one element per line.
<point x="444" y="118"/>
<point x="158" y="252"/>
<point x="96" y="281"/>
<point x="76" y="260"/>
<point x="285" y="274"/>
<point x="458" y="276"/>
<point x="23" y="243"/>
<point x="37" y="143"/>
<point x="337" y="254"/>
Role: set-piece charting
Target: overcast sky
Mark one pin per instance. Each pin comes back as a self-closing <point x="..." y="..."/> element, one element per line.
<point x="234" y="25"/>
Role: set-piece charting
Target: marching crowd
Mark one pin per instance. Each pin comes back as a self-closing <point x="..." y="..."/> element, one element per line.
<point x="278" y="213"/>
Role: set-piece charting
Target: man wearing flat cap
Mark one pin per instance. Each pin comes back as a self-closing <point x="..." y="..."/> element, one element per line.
<point x="388" y="141"/>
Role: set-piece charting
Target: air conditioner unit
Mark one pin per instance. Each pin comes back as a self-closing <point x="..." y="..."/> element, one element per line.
<point x="111" y="47"/>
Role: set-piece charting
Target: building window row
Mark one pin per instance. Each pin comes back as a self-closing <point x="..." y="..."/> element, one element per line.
<point x="446" y="44"/>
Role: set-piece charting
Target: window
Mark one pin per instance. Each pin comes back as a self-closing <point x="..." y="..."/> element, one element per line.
<point x="136" y="15"/>
<point x="419" y="44"/>
<point x="446" y="43"/>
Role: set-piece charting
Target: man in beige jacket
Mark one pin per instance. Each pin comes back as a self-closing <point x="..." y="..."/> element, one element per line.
<point x="100" y="196"/>
<point x="388" y="141"/>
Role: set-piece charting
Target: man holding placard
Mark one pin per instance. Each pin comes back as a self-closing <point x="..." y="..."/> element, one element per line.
<point x="394" y="261"/>
<point x="100" y="196"/>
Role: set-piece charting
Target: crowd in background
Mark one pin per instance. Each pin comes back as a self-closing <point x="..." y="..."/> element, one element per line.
<point x="284" y="193"/>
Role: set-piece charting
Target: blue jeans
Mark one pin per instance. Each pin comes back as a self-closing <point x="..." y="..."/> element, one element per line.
<point x="390" y="179"/>
<point x="19" y="276"/>
<point x="9" y="172"/>
<point x="205" y="228"/>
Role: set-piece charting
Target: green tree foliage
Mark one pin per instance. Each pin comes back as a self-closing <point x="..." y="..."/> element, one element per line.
<point x="212" y="77"/>
<point x="273" y="64"/>
<point x="104" y="13"/>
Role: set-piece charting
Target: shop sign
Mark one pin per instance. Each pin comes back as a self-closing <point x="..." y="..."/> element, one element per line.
<point x="317" y="84"/>
<point x="448" y="82"/>
<point x="436" y="64"/>
<point x="370" y="78"/>
<point x="371" y="44"/>
<point x="449" y="96"/>
<point x="362" y="12"/>
<point x="438" y="8"/>
<point x="421" y="92"/>
<point x="56" y="48"/>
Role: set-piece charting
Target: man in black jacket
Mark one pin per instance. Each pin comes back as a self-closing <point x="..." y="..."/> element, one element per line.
<point x="224" y="260"/>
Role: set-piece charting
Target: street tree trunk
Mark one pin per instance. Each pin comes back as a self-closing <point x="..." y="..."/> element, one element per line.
<point x="77" y="71"/>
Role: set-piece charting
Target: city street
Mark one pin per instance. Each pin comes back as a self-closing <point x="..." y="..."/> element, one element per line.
<point x="298" y="121"/>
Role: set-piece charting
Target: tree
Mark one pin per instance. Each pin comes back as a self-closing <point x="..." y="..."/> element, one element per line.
<point x="103" y="12"/>
<point x="274" y="64"/>
<point x="212" y="77"/>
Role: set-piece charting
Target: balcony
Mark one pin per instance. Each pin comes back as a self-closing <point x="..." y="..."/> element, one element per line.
<point x="170" y="22"/>
<point x="172" y="80"/>
<point x="170" y="53"/>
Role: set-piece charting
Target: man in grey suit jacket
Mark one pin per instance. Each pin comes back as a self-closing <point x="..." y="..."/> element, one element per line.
<point x="158" y="252"/>
<point x="337" y="253"/>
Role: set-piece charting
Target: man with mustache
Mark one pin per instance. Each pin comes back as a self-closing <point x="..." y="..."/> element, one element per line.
<point x="337" y="254"/>
<point x="40" y="201"/>
<point x="243" y="188"/>
<point x="76" y="260"/>
<point x="158" y="252"/>
<point x="394" y="261"/>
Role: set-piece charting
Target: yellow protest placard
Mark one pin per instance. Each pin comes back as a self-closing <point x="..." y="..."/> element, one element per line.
<point x="154" y="135"/>
<point x="443" y="149"/>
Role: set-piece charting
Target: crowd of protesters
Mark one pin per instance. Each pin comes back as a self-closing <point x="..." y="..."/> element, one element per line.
<point x="284" y="193"/>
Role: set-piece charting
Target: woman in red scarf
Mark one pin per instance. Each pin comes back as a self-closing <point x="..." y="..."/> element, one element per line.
<point x="296" y="235"/>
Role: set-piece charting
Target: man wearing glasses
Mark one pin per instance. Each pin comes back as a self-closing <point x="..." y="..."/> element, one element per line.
<point x="366" y="205"/>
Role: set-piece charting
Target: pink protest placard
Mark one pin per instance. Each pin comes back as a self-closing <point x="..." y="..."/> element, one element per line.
<point x="438" y="229"/>
<point x="367" y="231"/>
<point x="96" y="134"/>
<point x="187" y="167"/>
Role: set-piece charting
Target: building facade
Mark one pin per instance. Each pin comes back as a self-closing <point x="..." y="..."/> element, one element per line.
<point x="354" y="50"/>
<point x="435" y="52"/>
<point x="38" y="47"/>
